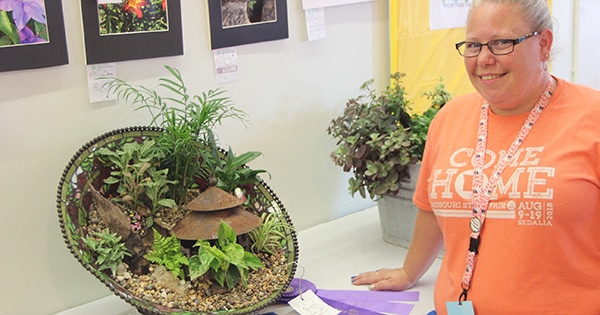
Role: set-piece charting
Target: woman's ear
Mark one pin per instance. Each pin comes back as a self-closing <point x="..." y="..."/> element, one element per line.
<point x="546" y="39"/>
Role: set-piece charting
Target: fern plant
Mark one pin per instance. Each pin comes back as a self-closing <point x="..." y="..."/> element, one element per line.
<point x="166" y="251"/>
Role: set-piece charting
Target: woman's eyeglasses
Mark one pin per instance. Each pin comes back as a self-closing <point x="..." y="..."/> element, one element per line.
<point x="497" y="47"/>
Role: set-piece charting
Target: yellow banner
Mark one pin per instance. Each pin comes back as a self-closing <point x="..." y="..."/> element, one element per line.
<point x="424" y="55"/>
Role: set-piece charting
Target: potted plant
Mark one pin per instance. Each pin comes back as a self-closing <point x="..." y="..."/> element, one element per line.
<point x="168" y="220"/>
<point x="381" y="142"/>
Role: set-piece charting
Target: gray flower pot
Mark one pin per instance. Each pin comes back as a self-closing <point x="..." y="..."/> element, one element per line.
<point x="397" y="213"/>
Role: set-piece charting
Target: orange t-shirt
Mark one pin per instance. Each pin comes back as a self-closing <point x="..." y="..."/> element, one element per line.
<point x="540" y="243"/>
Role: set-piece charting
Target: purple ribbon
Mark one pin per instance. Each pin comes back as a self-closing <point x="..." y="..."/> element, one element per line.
<point x="383" y="306"/>
<point x="356" y="301"/>
<point x="355" y="295"/>
<point x="379" y="301"/>
<point x="345" y="308"/>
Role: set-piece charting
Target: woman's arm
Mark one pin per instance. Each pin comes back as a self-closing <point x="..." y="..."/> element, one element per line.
<point x="425" y="246"/>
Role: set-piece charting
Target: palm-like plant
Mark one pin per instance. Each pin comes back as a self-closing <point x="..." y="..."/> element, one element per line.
<point x="185" y="119"/>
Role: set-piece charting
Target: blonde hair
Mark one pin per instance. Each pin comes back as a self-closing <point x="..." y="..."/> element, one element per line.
<point x="537" y="12"/>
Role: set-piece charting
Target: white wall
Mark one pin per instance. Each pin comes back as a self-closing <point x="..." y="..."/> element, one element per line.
<point x="290" y="88"/>
<point x="575" y="53"/>
<point x="587" y="64"/>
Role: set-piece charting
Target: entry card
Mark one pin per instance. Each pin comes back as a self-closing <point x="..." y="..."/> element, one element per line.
<point x="308" y="303"/>
<point x="98" y="76"/>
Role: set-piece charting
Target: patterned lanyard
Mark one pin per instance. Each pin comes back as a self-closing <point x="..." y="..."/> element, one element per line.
<point x="481" y="196"/>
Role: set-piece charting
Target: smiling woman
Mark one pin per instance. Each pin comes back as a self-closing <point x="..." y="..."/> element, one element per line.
<point x="527" y="141"/>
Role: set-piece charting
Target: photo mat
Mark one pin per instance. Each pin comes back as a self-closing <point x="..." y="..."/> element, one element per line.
<point x="229" y="26"/>
<point x="32" y="35"/>
<point x="138" y="29"/>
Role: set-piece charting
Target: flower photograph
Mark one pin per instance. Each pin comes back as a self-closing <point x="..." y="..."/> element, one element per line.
<point x="132" y="16"/>
<point x="23" y="22"/>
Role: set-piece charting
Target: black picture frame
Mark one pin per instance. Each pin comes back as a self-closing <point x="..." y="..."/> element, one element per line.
<point x="104" y="49"/>
<point x="34" y="56"/>
<point x="249" y="33"/>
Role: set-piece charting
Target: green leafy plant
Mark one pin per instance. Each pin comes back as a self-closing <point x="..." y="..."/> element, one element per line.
<point x="185" y="119"/>
<point x="228" y="260"/>
<point x="157" y="187"/>
<point x="130" y="164"/>
<point x="166" y="251"/>
<point x="107" y="248"/>
<point x="138" y="179"/>
<point x="231" y="170"/>
<point x="372" y="141"/>
<point x="419" y="126"/>
<point x="377" y="137"/>
<point x="270" y="235"/>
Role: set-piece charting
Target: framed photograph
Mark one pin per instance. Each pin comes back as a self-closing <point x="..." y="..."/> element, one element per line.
<point x="240" y="22"/>
<point x="32" y="35"/>
<point x="119" y="30"/>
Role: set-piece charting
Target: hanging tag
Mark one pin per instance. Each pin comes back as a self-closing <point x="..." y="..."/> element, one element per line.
<point x="308" y="303"/>
<point x="465" y="308"/>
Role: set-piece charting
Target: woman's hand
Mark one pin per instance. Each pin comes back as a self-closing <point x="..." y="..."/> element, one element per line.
<point x="385" y="280"/>
<point x="424" y="248"/>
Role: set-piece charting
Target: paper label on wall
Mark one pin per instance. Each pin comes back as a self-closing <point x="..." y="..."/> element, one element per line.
<point x="448" y="13"/>
<point x="315" y="23"/>
<point x="226" y="64"/>
<point x="312" y="4"/>
<point x="98" y="75"/>
<point x="308" y="303"/>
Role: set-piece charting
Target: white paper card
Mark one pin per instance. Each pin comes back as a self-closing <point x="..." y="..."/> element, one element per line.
<point x="315" y="23"/>
<point x="98" y="75"/>
<point x="448" y="14"/>
<point x="311" y="4"/>
<point x="308" y="303"/>
<point x="226" y="64"/>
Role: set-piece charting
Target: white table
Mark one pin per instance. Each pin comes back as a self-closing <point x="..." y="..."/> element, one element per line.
<point x="330" y="253"/>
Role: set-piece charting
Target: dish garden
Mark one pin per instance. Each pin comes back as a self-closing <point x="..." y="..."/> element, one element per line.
<point x="167" y="219"/>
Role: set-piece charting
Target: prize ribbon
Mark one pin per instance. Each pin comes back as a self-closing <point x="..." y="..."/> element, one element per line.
<point x="296" y="287"/>
<point x="355" y="301"/>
